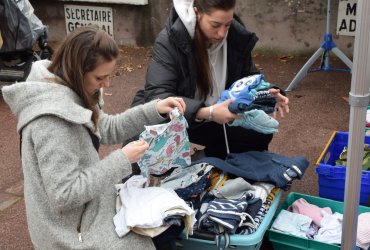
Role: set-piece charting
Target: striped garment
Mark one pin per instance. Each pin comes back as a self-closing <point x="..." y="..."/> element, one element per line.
<point x="247" y="229"/>
<point x="227" y="213"/>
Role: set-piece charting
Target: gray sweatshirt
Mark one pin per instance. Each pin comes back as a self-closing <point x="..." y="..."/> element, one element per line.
<point x="69" y="192"/>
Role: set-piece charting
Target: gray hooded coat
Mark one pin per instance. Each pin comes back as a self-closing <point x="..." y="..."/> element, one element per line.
<point x="69" y="192"/>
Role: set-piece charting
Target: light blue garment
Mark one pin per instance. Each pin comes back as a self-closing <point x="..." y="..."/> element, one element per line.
<point x="257" y="120"/>
<point x="292" y="223"/>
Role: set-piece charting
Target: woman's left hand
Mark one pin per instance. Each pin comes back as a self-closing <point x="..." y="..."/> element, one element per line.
<point x="282" y="103"/>
<point x="165" y="106"/>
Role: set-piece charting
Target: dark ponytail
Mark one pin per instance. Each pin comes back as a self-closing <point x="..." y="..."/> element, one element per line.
<point x="204" y="78"/>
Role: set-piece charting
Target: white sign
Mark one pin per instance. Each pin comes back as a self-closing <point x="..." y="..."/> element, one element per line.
<point x="346" y="24"/>
<point x="78" y="16"/>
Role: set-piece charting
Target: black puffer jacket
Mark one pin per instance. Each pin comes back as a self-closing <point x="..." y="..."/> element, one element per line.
<point x="172" y="69"/>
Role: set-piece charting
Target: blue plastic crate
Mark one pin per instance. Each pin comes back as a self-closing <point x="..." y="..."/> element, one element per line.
<point x="240" y="242"/>
<point x="332" y="178"/>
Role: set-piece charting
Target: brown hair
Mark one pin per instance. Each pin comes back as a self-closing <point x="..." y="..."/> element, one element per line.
<point x="204" y="78"/>
<point x="82" y="51"/>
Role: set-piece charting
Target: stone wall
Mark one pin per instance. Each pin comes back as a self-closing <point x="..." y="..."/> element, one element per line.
<point x="282" y="25"/>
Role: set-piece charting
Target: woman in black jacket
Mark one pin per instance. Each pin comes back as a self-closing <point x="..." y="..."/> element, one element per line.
<point x="202" y="50"/>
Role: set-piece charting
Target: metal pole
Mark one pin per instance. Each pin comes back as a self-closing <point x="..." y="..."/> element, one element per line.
<point x="328" y="14"/>
<point x="359" y="100"/>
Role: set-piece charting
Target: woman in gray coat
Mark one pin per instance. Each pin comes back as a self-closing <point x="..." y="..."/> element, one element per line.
<point x="69" y="192"/>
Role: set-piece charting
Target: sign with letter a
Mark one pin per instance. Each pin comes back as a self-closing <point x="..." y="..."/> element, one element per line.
<point x="78" y="16"/>
<point x="346" y="24"/>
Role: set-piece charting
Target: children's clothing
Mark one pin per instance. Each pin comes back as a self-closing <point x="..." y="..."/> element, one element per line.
<point x="363" y="231"/>
<point x="169" y="146"/>
<point x="257" y="120"/>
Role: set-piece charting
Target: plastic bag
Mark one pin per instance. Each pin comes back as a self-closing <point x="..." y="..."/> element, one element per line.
<point x="19" y="26"/>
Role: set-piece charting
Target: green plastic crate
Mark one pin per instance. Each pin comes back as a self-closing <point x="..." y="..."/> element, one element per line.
<point x="283" y="241"/>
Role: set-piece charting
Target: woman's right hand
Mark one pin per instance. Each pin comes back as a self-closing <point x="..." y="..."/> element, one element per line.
<point x="222" y="114"/>
<point x="135" y="150"/>
<point x="166" y="105"/>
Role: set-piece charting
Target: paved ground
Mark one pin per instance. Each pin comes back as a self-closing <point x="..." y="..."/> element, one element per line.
<point x="317" y="109"/>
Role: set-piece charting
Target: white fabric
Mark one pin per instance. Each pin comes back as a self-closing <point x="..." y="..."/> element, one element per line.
<point x="185" y="10"/>
<point x="262" y="190"/>
<point x="148" y="207"/>
<point x="151" y="232"/>
<point x="363" y="231"/>
<point x="101" y="99"/>
<point x="331" y="228"/>
<point x="368" y="116"/>
<point x="217" y="55"/>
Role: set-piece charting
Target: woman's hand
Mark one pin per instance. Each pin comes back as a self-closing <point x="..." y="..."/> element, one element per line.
<point x="135" y="150"/>
<point x="165" y="106"/>
<point x="282" y="103"/>
<point x="222" y="114"/>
